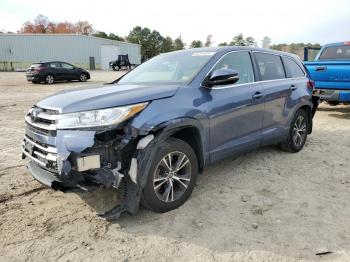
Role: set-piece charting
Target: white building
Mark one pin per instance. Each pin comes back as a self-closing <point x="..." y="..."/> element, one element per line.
<point x="21" y="50"/>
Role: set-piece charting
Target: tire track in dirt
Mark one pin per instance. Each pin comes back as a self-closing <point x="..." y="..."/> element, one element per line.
<point x="7" y="197"/>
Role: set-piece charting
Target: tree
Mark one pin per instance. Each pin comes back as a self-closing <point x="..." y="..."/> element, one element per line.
<point x="115" y="37"/>
<point x="196" y="44"/>
<point x="239" y="40"/>
<point x="266" y="42"/>
<point x="28" y="27"/>
<point x="43" y="25"/>
<point x="178" y="44"/>
<point x="167" y="45"/>
<point x="250" y="41"/>
<point x="101" y="34"/>
<point x="296" y="48"/>
<point x="223" y="44"/>
<point x="83" y="27"/>
<point x="208" y="41"/>
<point x="63" y="28"/>
<point x="40" y="24"/>
<point x="152" y="43"/>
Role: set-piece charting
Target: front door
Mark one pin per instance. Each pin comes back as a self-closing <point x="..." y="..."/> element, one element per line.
<point x="69" y="72"/>
<point x="236" y="111"/>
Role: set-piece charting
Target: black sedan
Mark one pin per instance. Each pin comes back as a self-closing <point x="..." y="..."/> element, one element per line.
<point x="50" y="72"/>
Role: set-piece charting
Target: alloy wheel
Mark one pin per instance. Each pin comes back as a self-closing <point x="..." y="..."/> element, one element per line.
<point x="299" y="131"/>
<point x="172" y="176"/>
<point x="83" y="77"/>
<point x="49" y="79"/>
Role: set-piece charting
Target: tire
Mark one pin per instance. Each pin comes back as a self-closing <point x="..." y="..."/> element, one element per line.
<point x="166" y="190"/>
<point x="49" y="79"/>
<point x="116" y="68"/>
<point x="83" y="77"/>
<point x="297" y="133"/>
<point x="333" y="103"/>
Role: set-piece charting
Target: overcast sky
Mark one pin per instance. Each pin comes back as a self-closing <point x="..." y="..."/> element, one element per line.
<point x="283" y="21"/>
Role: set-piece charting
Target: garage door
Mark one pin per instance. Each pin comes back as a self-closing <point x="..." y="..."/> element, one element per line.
<point x="108" y="53"/>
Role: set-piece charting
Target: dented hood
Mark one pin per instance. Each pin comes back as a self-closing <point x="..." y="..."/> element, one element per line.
<point x="105" y="96"/>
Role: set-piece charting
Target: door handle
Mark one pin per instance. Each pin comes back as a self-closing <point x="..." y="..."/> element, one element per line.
<point x="257" y="95"/>
<point x="321" y="68"/>
<point x="293" y="87"/>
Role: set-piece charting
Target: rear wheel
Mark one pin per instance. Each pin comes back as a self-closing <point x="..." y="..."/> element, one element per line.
<point x="82" y="77"/>
<point x="172" y="176"/>
<point x="49" y="79"/>
<point x="297" y="133"/>
<point x="333" y="103"/>
<point x="116" y="68"/>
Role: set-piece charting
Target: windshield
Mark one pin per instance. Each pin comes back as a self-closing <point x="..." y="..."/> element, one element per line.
<point x="336" y="53"/>
<point x="169" y="68"/>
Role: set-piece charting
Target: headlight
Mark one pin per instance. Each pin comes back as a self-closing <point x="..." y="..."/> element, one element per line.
<point x="96" y="118"/>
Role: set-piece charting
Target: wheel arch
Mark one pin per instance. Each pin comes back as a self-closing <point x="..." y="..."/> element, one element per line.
<point x="190" y="131"/>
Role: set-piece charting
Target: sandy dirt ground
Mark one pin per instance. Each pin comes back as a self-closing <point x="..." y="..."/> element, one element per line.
<point x="263" y="206"/>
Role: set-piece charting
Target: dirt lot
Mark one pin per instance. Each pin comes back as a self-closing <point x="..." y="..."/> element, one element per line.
<point x="263" y="206"/>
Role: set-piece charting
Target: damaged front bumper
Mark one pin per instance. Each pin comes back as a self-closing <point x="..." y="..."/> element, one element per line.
<point x="87" y="159"/>
<point x="69" y="160"/>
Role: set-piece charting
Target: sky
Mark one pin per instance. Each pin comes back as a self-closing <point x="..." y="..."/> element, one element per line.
<point x="307" y="21"/>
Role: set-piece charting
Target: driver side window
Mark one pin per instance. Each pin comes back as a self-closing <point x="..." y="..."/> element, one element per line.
<point x="239" y="61"/>
<point x="67" y="66"/>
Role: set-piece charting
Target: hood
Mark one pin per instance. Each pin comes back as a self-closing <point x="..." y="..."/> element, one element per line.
<point x="98" y="97"/>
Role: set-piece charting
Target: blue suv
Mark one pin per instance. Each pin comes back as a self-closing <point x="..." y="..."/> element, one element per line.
<point x="151" y="132"/>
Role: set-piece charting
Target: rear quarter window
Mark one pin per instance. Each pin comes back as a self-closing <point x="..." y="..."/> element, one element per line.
<point x="292" y="68"/>
<point x="37" y="65"/>
<point x="270" y="66"/>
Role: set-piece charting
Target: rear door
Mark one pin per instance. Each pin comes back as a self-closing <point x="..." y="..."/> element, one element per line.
<point x="235" y="111"/>
<point x="277" y="90"/>
<point x="55" y="68"/>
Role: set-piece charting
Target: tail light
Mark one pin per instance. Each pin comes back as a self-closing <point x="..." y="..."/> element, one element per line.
<point x="38" y="69"/>
<point x="310" y="85"/>
<point x="347" y="43"/>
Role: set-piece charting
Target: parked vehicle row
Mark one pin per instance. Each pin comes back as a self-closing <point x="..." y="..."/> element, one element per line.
<point x="152" y="131"/>
<point x="331" y="73"/>
<point x="50" y="72"/>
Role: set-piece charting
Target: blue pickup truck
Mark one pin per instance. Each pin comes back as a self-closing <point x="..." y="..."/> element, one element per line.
<point x="331" y="73"/>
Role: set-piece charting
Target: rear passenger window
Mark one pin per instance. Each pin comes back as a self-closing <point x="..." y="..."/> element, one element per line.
<point x="292" y="68"/>
<point x="239" y="61"/>
<point x="270" y="66"/>
<point x="55" y="65"/>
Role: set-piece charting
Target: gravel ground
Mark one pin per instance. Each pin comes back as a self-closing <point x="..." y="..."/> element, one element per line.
<point x="263" y="206"/>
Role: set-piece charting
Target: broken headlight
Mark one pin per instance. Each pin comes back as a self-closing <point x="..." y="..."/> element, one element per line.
<point x="96" y="118"/>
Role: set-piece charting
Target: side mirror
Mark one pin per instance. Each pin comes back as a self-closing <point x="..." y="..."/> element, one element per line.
<point x="221" y="77"/>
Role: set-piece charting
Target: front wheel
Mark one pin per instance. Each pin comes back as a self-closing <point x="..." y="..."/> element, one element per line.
<point x="172" y="176"/>
<point x="116" y="68"/>
<point x="297" y="133"/>
<point x="82" y="78"/>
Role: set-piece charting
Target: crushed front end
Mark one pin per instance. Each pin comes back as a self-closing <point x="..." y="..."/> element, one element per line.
<point x="84" y="158"/>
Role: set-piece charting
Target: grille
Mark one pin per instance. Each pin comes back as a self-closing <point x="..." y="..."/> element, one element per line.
<point x="42" y="120"/>
<point x="43" y="155"/>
